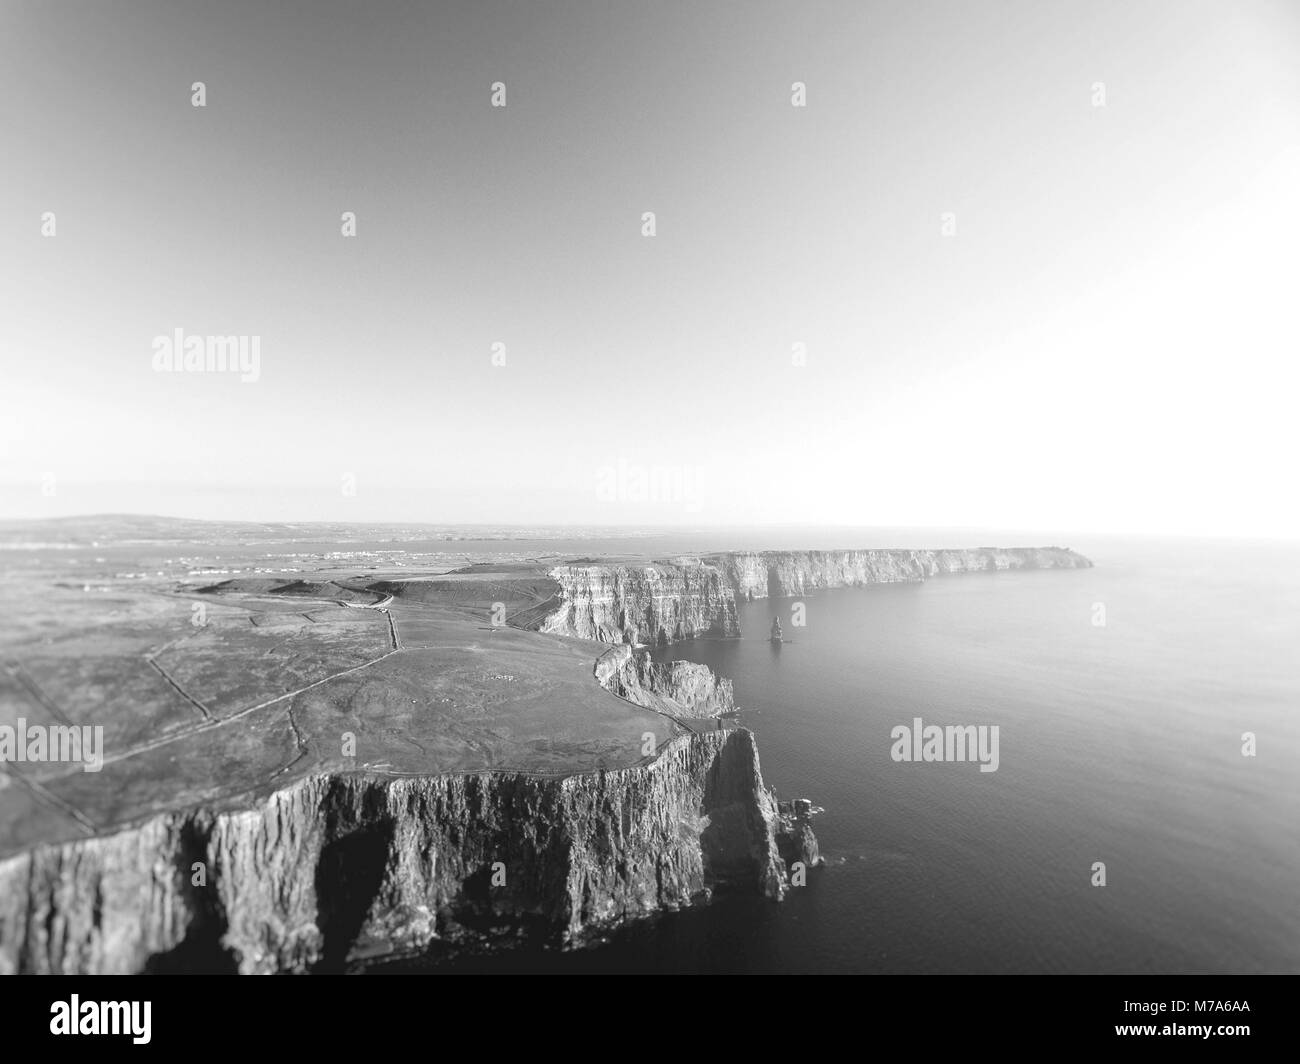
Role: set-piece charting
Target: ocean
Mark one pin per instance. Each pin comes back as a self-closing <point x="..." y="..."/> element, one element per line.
<point x="1121" y="743"/>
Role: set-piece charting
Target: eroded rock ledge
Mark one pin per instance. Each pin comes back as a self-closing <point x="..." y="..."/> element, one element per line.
<point x="680" y="689"/>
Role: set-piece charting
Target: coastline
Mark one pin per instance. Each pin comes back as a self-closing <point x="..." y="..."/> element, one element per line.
<point x="386" y="862"/>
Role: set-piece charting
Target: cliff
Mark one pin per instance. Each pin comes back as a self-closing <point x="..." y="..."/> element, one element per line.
<point x="337" y="868"/>
<point x="332" y="867"/>
<point x="688" y="596"/>
<point x="641" y="604"/>
<point x="474" y="812"/>
<point x="784" y="573"/>
<point x="680" y="689"/>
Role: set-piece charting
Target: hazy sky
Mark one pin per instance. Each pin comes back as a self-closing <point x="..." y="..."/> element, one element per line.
<point x="1107" y="342"/>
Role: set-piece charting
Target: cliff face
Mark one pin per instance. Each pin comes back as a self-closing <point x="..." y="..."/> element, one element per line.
<point x="641" y="604"/>
<point x="760" y="574"/>
<point x="340" y="867"/>
<point x="691" y="596"/>
<point x="681" y="689"/>
<point x="335" y="869"/>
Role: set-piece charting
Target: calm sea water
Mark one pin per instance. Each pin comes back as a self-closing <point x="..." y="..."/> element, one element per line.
<point x="1120" y="744"/>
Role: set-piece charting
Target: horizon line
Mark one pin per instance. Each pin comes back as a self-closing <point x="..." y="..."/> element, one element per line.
<point x="645" y="527"/>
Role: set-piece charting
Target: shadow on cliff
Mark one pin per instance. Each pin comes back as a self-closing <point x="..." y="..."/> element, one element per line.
<point x="476" y="916"/>
<point x="350" y="871"/>
<point x="201" y="951"/>
<point x="732" y="845"/>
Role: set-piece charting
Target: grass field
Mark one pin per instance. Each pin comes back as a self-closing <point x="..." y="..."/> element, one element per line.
<point x="215" y="691"/>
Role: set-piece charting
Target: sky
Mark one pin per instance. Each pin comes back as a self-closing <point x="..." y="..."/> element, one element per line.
<point x="1012" y="264"/>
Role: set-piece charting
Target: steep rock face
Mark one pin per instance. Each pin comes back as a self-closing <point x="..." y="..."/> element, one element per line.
<point x="682" y="689"/>
<point x="687" y="690"/>
<point x="689" y="596"/>
<point x="758" y="574"/>
<point x="641" y="604"/>
<point x="335" y="868"/>
<point x="795" y="838"/>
